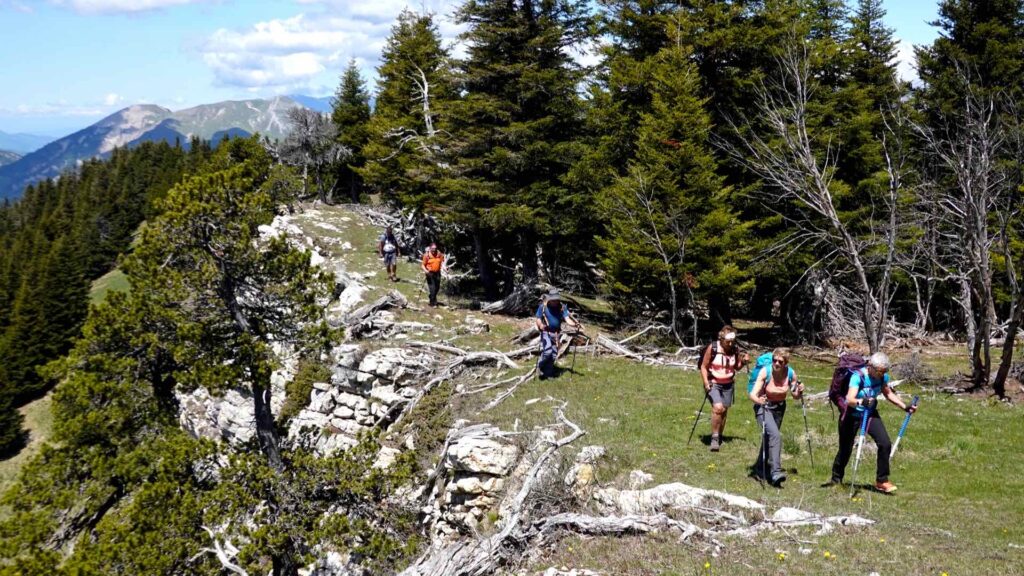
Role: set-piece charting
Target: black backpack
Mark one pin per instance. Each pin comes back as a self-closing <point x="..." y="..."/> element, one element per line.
<point x="849" y="363"/>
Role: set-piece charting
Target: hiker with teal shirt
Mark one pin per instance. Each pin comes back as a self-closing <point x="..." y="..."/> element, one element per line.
<point x="769" y="397"/>
<point x="550" y="315"/>
<point x="866" y="385"/>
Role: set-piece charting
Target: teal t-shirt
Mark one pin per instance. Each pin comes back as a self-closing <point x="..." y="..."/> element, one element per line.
<point x="867" y="387"/>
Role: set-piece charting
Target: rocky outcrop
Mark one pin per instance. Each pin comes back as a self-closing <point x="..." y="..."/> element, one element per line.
<point x="476" y="463"/>
<point x="229" y="417"/>
<point x="364" y="392"/>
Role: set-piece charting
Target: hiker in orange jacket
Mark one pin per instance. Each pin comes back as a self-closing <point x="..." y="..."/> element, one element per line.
<point x="433" y="261"/>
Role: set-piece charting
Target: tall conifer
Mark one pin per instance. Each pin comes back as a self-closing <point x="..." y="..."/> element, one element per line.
<point x="351" y="113"/>
<point x="514" y="131"/>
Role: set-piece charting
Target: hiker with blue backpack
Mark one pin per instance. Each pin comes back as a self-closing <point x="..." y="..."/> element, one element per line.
<point x="550" y="315"/>
<point x="718" y="367"/>
<point x="858" y="412"/>
<point x="768" y="392"/>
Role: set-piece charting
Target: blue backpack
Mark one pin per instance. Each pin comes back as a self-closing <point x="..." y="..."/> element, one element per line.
<point x="763" y="361"/>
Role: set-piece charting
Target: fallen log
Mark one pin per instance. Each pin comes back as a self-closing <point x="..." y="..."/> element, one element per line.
<point x="357" y="321"/>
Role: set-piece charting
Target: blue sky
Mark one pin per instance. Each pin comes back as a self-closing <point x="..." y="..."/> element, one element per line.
<point x="66" y="63"/>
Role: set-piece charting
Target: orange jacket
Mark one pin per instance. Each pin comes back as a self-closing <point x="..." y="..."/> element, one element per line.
<point x="433" y="262"/>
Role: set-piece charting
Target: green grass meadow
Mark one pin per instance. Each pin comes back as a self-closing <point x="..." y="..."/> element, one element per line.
<point x="958" y="509"/>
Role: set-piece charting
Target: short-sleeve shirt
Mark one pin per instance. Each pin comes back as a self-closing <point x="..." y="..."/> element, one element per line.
<point x="867" y="387"/>
<point x="551" y="319"/>
<point x="432" y="262"/>
<point x="385" y="241"/>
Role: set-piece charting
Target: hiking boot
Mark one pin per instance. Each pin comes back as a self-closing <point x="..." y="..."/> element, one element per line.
<point x="885" y="487"/>
<point x="715" y="444"/>
<point x="778" y="479"/>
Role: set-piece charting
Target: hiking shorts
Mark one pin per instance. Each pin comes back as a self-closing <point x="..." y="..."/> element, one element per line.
<point x="390" y="258"/>
<point x="722" y="394"/>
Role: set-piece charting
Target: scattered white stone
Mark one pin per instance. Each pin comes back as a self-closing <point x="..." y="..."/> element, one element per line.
<point x="676" y="496"/>
<point x="639" y="479"/>
<point x="347" y="246"/>
<point x="386" y="458"/>
<point x="482" y="456"/>
<point x="328" y="227"/>
<point x="591" y="454"/>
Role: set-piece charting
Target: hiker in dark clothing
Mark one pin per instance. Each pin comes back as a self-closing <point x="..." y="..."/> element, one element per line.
<point x="550" y="315"/>
<point x="387" y="248"/>
<point x="718" y="366"/>
<point x="769" y="397"/>
<point x="866" y="385"/>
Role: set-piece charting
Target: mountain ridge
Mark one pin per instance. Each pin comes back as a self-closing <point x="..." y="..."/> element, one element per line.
<point x="140" y="123"/>
<point x="23" y="143"/>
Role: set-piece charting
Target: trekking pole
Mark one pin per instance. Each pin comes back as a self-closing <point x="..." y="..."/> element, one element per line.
<point x="697" y="419"/>
<point x="575" y="347"/>
<point x="764" y="445"/>
<point x="903" y="428"/>
<point x="860" y="446"/>
<point x="807" y="430"/>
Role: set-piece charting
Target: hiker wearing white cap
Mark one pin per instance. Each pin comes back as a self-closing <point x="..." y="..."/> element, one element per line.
<point x="550" y="315"/>
<point x="718" y="366"/>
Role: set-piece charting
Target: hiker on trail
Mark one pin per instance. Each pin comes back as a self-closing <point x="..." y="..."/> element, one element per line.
<point x="718" y="367"/>
<point x="433" y="261"/>
<point x="387" y="248"/>
<point x="769" y="397"/>
<point x="550" y="315"/>
<point x="866" y="384"/>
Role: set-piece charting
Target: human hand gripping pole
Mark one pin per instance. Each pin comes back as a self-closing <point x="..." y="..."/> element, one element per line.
<point x="903" y="428"/>
<point x="860" y="446"/>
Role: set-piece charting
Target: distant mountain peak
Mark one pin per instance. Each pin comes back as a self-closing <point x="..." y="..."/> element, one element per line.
<point x="129" y="124"/>
<point x="148" y="122"/>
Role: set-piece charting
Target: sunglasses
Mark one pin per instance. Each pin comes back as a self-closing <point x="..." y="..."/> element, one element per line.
<point x="779" y="361"/>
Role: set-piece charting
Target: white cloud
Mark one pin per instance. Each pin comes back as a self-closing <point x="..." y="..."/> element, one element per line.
<point x="304" y="52"/>
<point x="121" y="6"/>
<point x="289" y="52"/>
<point x="16" y="5"/>
<point x="906" y="64"/>
<point x="53" y="109"/>
<point x="112" y="99"/>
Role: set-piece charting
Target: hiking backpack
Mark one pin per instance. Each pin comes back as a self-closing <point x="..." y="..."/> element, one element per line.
<point x="849" y="363"/>
<point x="764" y="361"/>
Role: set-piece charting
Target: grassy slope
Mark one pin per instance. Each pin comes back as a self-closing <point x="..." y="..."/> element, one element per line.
<point x="113" y="281"/>
<point x="39" y="423"/>
<point x="958" y="509"/>
<point x="38" y="418"/>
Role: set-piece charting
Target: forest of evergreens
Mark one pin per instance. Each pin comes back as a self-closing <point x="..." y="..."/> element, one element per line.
<point x="745" y="158"/>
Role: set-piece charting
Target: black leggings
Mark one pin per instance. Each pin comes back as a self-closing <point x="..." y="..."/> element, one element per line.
<point x="849" y="429"/>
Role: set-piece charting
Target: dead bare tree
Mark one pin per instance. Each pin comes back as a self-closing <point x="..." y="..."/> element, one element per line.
<point x="313" y="145"/>
<point x="798" y="169"/>
<point x="969" y="145"/>
<point x="660" y="224"/>
<point x="428" y="141"/>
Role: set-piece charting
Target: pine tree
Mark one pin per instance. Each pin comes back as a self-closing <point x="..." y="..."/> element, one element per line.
<point x="513" y="132"/>
<point x="673" y="235"/>
<point x="409" y="123"/>
<point x="351" y="114"/>
<point x="983" y="39"/>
